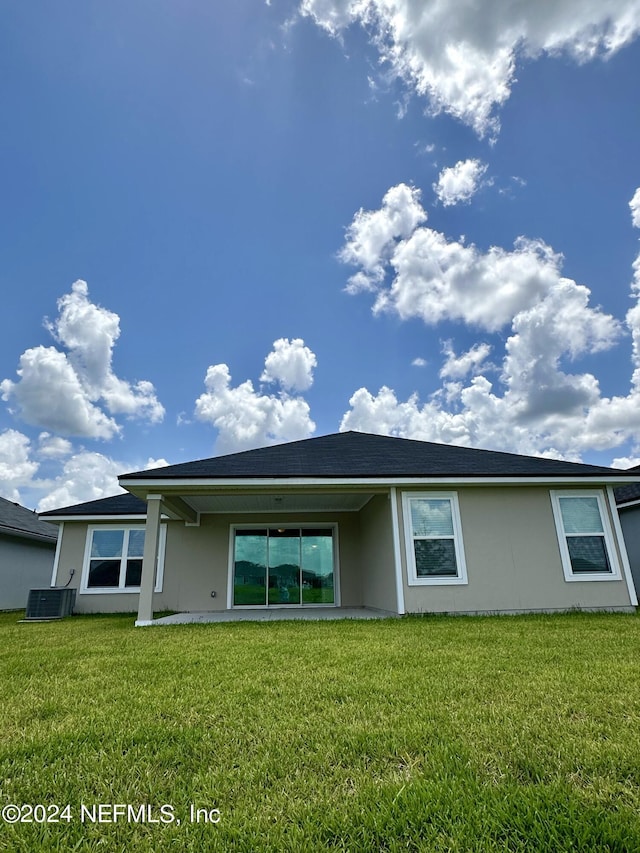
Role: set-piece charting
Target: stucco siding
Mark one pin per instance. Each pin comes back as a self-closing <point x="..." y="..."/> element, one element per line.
<point x="24" y="564"/>
<point x="198" y="558"/>
<point x="513" y="560"/>
<point x="512" y="555"/>
<point x="378" y="572"/>
<point x="197" y="562"/>
<point x="71" y="557"/>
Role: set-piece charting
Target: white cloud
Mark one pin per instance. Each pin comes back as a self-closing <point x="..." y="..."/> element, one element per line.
<point x="625" y="462"/>
<point x="49" y="394"/>
<point x="419" y="362"/>
<point x="246" y="418"/>
<point x="63" y="391"/>
<point x="538" y="405"/>
<point x="459" y="366"/>
<point x="438" y="279"/>
<point x="88" y="476"/>
<point x="460" y="182"/>
<point x="462" y="56"/>
<point x="53" y="446"/>
<point x="17" y="468"/>
<point x="291" y="364"/>
<point x="425" y="148"/>
<point x="372" y="234"/>
<point x="83" y="476"/>
<point x="634" y="205"/>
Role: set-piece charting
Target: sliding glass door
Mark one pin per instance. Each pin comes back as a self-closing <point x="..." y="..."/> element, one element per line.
<point x="283" y="566"/>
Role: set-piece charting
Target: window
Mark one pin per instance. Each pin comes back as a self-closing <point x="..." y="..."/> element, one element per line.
<point x="433" y="536"/>
<point x="113" y="559"/>
<point x="584" y="535"/>
<point x="282" y="566"/>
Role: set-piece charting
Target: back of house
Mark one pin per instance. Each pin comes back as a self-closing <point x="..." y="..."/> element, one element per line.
<point x="352" y="520"/>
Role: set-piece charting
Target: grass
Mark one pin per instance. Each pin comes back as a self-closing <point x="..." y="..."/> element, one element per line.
<point x="433" y="733"/>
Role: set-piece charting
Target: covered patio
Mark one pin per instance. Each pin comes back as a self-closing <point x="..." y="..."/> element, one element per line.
<point x="302" y="553"/>
<point x="274" y="615"/>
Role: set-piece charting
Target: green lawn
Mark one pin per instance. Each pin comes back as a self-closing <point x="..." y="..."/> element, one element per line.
<point x="435" y="733"/>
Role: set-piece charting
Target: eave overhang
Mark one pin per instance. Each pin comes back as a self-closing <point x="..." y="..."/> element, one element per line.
<point x="141" y="487"/>
<point x="16" y="533"/>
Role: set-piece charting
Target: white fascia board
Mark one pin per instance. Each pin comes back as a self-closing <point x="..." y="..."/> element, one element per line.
<point x="56" y="558"/>
<point x="203" y="484"/>
<point x="622" y="547"/>
<point x="635" y="502"/>
<point x="141" y="517"/>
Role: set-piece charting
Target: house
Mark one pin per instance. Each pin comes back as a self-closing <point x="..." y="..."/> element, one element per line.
<point x="352" y="520"/>
<point x="27" y="549"/>
<point x="628" y="501"/>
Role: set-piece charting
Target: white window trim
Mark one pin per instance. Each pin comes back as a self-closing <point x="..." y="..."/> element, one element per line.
<point x="412" y="575"/>
<point x="569" y="575"/>
<point x="113" y="590"/>
<point x="290" y="525"/>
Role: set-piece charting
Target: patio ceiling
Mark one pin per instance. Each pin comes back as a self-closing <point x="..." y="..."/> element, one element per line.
<point x="279" y="502"/>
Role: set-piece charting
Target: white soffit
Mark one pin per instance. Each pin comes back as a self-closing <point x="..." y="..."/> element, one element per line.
<point x="337" y="502"/>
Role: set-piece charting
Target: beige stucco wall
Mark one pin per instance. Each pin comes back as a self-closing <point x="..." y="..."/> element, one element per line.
<point x="210" y="568"/>
<point x="513" y="559"/>
<point x="197" y="562"/>
<point x="377" y="555"/>
<point x="512" y="554"/>
<point x="71" y="556"/>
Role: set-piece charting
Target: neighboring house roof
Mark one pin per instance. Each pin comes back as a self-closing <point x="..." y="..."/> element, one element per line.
<point x="362" y="455"/>
<point x="16" y="520"/>
<point x="117" y="505"/>
<point x="630" y="493"/>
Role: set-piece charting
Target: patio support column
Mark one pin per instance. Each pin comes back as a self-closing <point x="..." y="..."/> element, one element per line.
<point x="149" y="560"/>
<point x="397" y="556"/>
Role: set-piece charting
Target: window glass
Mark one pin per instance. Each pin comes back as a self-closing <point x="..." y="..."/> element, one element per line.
<point x="107" y="543"/>
<point x="580" y="515"/>
<point x="136" y="543"/>
<point x="133" y="575"/>
<point x="435" y="549"/>
<point x="431" y="517"/>
<point x="317" y="567"/>
<point x="588" y="554"/>
<point x="115" y="558"/>
<point x="250" y="567"/>
<point x="283" y="566"/>
<point x="586" y="545"/>
<point x="435" y="558"/>
<point x="104" y="573"/>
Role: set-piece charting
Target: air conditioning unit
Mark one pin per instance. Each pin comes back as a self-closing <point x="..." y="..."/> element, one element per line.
<point x="50" y="603"/>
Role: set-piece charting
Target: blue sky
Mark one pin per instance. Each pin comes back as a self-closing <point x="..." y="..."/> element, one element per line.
<point x="229" y="225"/>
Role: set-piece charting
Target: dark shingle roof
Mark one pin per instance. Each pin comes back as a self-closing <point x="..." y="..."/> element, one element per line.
<point x="357" y="454"/>
<point x="16" y="520"/>
<point x="626" y="494"/>
<point x="117" y="505"/>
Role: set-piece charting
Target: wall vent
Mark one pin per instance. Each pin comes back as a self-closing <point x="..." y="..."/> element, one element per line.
<point x="50" y="603"/>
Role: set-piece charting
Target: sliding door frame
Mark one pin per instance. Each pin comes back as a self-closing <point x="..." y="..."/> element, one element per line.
<point x="271" y="525"/>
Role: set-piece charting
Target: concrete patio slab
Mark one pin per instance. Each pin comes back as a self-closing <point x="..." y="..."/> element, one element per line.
<point x="274" y="615"/>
